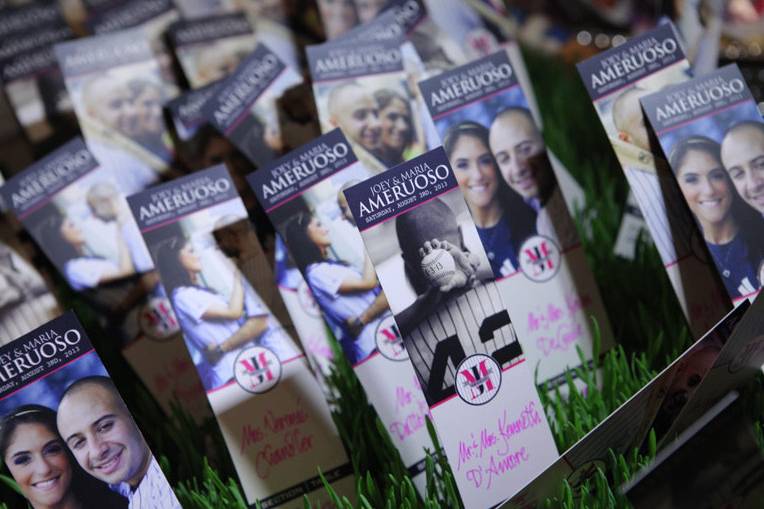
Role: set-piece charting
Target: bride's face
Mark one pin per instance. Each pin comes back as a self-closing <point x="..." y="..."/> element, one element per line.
<point x="37" y="459"/>
<point x="189" y="259"/>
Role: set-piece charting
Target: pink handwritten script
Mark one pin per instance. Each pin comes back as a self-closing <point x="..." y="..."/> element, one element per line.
<point x="558" y="327"/>
<point x="494" y="451"/>
<point x="293" y="443"/>
<point x="411" y="410"/>
<point x="278" y="438"/>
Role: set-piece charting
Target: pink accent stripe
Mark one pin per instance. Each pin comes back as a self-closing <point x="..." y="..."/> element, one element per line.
<point x="746" y="296"/>
<point x="179" y="218"/>
<point x="456" y="188"/>
<point x="513" y="365"/>
<point x="357" y="77"/>
<point x="444" y="401"/>
<point x="634" y="83"/>
<point x="246" y="111"/>
<point x="45" y="201"/>
<point x="482" y="98"/>
<point x="677" y="261"/>
<point x="46" y="375"/>
<point x="303" y="191"/>
<point x="712" y="112"/>
<point x="376" y="352"/>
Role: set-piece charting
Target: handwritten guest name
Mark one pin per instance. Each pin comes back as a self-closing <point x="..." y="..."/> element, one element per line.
<point x="411" y="411"/>
<point x="494" y="452"/>
<point x="558" y="325"/>
<point x="278" y="438"/>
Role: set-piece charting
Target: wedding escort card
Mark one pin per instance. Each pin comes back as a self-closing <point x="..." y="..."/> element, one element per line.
<point x="200" y="146"/>
<point x="55" y="391"/>
<point x="712" y="133"/>
<point x="210" y="48"/>
<point x="350" y="81"/>
<point x="30" y="75"/>
<point x="117" y="88"/>
<point x="73" y="207"/>
<point x="244" y="106"/>
<point x="615" y="80"/>
<point x="273" y="416"/>
<point x="76" y="211"/>
<point x="500" y="162"/>
<point x="446" y="303"/>
<point x="196" y="142"/>
<point x="302" y="195"/>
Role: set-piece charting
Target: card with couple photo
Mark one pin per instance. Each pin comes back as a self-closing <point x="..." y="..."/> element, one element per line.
<point x="430" y="262"/>
<point x="615" y="80"/>
<point x="241" y="341"/>
<point x="302" y="195"/>
<point x="247" y="107"/>
<point x="118" y="88"/>
<point x="66" y="435"/>
<point x="75" y="210"/>
<point x="711" y="131"/>
<point x="508" y="182"/>
<point x="362" y="88"/>
<point x="210" y="48"/>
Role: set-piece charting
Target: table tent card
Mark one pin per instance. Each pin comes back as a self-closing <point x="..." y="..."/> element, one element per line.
<point x="152" y="18"/>
<point x="30" y="75"/>
<point x="350" y="80"/>
<point x="430" y="45"/>
<point x="275" y="421"/>
<point x="302" y="191"/>
<point x="200" y="146"/>
<point x="56" y="393"/>
<point x="294" y="308"/>
<point x="500" y="163"/>
<point x="615" y="80"/>
<point x="712" y="134"/>
<point x="657" y="405"/>
<point x="210" y="48"/>
<point x="194" y="139"/>
<point x="25" y="300"/>
<point x="432" y="266"/>
<point x="118" y="89"/>
<point x="301" y="305"/>
<point x="76" y="211"/>
<point x="244" y="106"/>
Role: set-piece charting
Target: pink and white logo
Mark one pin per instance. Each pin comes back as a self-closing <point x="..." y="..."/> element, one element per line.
<point x="156" y="319"/>
<point x="389" y="340"/>
<point x="478" y="379"/>
<point x="257" y="369"/>
<point x="540" y="258"/>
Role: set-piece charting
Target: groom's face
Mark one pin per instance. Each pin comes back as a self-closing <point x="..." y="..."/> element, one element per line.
<point x="102" y="435"/>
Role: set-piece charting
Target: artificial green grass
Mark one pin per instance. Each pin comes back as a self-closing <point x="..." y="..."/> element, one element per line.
<point x="646" y="319"/>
